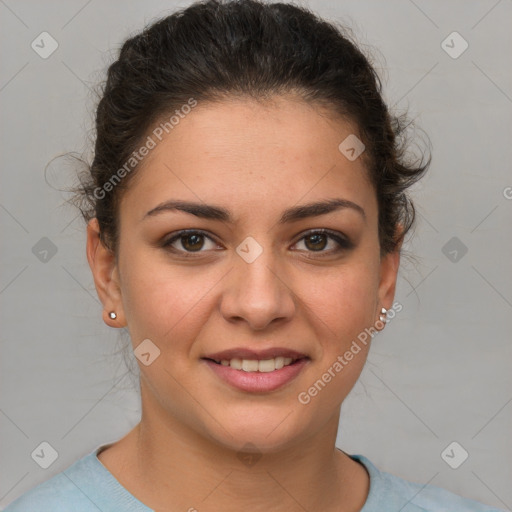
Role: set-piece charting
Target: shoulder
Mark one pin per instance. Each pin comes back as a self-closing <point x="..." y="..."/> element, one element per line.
<point x="60" y="493"/>
<point x="390" y="493"/>
<point x="76" y="488"/>
<point x="85" y="486"/>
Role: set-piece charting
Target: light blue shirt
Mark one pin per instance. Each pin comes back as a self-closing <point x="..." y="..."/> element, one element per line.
<point x="88" y="486"/>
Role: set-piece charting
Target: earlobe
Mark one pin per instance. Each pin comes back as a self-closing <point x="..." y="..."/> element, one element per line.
<point x="102" y="262"/>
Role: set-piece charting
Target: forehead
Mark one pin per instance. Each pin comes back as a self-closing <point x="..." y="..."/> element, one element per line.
<point x="251" y="156"/>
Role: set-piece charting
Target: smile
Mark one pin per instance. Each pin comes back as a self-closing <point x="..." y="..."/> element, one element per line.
<point x="257" y="376"/>
<point x="254" y="365"/>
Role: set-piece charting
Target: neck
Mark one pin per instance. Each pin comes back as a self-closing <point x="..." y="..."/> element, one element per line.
<point x="173" y="467"/>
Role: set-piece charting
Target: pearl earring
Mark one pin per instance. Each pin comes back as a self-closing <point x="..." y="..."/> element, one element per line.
<point x="112" y="315"/>
<point x="382" y="316"/>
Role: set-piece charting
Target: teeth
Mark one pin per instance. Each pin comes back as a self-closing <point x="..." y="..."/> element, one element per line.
<point x="268" y="365"/>
<point x="253" y="365"/>
<point x="235" y="363"/>
<point x="249" y="365"/>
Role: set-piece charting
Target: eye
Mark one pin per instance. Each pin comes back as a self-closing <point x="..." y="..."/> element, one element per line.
<point x="190" y="240"/>
<point x="317" y="240"/>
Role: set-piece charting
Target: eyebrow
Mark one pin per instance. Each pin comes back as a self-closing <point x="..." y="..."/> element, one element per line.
<point x="293" y="214"/>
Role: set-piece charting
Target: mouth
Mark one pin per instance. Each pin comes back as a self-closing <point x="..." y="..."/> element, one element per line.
<point x="254" y="372"/>
<point x="257" y="365"/>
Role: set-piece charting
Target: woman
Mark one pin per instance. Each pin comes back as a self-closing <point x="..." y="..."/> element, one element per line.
<point x="246" y="207"/>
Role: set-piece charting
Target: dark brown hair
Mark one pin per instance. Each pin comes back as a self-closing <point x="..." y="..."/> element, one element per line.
<point x="217" y="49"/>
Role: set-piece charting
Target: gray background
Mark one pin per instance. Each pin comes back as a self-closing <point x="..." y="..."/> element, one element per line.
<point x="440" y="372"/>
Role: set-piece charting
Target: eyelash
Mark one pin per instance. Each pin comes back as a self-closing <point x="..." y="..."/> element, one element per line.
<point x="343" y="243"/>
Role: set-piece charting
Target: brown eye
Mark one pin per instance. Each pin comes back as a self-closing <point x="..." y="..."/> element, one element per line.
<point x="317" y="241"/>
<point x="192" y="242"/>
<point x="185" y="242"/>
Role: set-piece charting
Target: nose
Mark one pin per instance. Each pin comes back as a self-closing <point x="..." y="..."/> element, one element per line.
<point x="258" y="293"/>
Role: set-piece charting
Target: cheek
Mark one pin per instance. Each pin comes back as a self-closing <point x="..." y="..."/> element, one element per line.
<point x="344" y="303"/>
<point x="343" y="307"/>
<point x="162" y="302"/>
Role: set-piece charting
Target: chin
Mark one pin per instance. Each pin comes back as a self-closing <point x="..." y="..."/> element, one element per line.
<point x="259" y="432"/>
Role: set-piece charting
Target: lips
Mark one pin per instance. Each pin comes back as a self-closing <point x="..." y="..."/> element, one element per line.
<point x="256" y="381"/>
<point x="257" y="371"/>
<point x="258" y="355"/>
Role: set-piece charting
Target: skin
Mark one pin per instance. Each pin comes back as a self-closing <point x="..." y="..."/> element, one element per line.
<point x="255" y="160"/>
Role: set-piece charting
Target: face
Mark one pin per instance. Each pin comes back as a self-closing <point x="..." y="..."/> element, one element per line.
<point x="253" y="275"/>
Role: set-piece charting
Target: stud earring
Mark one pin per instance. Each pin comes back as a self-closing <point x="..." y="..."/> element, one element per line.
<point x="112" y="315"/>
<point x="382" y="316"/>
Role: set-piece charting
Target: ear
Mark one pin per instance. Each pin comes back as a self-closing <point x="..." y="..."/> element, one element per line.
<point x="106" y="275"/>
<point x="389" y="266"/>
